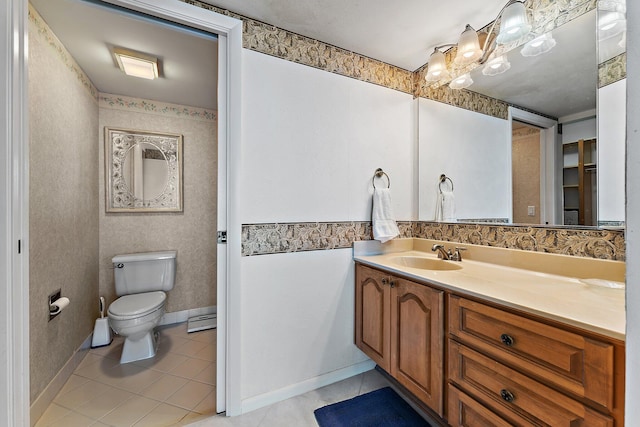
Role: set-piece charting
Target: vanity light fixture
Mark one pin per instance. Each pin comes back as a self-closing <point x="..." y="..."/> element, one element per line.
<point x="539" y="45"/>
<point x="461" y="82"/>
<point x="136" y="64"/>
<point x="496" y="65"/>
<point x="468" y="47"/>
<point x="437" y="66"/>
<point x="610" y="24"/>
<point x="514" y="25"/>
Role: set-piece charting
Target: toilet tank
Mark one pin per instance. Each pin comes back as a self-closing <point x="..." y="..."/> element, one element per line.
<point x="144" y="272"/>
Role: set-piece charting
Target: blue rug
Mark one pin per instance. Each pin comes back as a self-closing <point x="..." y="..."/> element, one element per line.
<point x="380" y="408"/>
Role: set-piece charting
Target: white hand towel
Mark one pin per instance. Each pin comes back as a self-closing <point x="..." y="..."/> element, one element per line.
<point x="384" y="224"/>
<point x="446" y="207"/>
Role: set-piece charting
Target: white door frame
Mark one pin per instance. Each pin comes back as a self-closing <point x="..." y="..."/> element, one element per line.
<point x="14" y="215"/>
<point x="548" y="163"/>
<point x="14" y="193"/>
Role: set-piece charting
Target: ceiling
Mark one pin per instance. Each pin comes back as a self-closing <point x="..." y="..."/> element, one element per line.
<point x="88" y="31"/>
<point x="399" y="33"/>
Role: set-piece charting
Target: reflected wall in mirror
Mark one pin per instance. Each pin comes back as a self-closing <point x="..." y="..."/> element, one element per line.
<point x="144" y="171"/>
<point x="476" y="150"/>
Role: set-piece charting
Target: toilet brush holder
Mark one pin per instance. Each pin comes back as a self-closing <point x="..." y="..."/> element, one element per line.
<point x="101" y="333"/>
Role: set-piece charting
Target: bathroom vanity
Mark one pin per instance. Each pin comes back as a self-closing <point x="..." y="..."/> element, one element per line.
<point x="481" y="343"/>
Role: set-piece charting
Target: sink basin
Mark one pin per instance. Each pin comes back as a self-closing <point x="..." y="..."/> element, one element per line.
<point x="425" y="263"/>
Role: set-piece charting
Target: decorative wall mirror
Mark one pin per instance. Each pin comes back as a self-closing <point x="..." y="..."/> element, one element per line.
<point x="143" y="171"/>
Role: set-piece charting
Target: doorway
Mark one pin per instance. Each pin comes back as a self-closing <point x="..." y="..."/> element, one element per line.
<point x="549" y="170"/>
<point x="525" y="173"/>
<point x="15" y="248"/>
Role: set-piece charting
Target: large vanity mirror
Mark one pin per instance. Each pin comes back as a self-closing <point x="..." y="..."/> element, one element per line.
<point x="555" y="103"/>
<point x="143" y="171"/>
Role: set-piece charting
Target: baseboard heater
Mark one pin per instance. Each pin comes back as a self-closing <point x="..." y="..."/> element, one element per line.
<point x="202" y="322"/>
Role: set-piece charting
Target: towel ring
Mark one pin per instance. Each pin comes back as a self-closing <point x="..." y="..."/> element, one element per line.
<point x="444" y="178"/>
<point x="379" y="173"/>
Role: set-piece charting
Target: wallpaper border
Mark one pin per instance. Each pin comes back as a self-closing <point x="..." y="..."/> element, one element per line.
<point x="48" y="37"/>
<point x="128" y="103"/>
<point x="612" y="70"/>
<point x="277" y="238"/>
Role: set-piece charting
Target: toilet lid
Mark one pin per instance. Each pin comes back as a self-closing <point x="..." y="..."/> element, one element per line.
<point x="137" y="304"/>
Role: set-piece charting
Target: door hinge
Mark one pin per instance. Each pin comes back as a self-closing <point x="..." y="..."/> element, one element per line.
<point x="222" y="236"/>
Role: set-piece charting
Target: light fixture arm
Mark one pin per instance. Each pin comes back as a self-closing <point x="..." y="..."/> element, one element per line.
<point x="444" y="45"/>
<point x="487" y="52"/>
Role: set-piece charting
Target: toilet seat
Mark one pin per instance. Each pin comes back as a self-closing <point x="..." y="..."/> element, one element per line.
<point x="136" y="305"/>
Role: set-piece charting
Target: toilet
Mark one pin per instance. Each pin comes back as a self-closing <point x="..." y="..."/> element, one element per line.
<point x="141" y="282"/>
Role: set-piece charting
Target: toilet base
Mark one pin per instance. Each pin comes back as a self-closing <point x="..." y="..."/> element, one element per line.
<point x="140" y="349"/>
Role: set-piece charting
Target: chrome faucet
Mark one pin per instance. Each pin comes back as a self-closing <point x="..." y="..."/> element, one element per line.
<point x="446" y="254"/>
<point x="442" y="252"/>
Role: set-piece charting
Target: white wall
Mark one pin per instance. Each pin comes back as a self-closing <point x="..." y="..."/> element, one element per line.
<point x="581" y="129"/>
<point x="474" y="150"/>
<point x="611" y="151"/>
<point x="311" y="143"/>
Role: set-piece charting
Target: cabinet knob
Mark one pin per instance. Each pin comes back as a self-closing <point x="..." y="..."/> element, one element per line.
<point x="385" y="281"/>
<point x="507" y="340"/>
<point x="507" y="395"/>
<point x="392" y="283"/>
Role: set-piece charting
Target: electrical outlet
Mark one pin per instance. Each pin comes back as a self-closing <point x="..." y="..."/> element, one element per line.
<point x="531" y="210"/>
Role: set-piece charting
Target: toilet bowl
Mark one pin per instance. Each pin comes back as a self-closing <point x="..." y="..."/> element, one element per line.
<point x="141" y="281"/>
<point x="134" y="317"/>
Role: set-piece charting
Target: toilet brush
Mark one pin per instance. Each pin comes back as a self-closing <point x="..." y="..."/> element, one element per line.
<point x="102" y="331"/>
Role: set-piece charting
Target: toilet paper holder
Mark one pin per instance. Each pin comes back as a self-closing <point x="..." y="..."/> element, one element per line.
<point x="55" y="309"/>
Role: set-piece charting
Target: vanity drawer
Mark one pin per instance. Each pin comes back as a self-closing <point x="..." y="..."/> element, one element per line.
<point x="514" y="396"/>
<point x="465" y="411"/>
<point x="570" y="361"/>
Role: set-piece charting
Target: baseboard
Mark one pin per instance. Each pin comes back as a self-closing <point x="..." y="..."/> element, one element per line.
<point x="184" y="315"/>
<point x="293" y="390"/>
<point x="43" y="401"/>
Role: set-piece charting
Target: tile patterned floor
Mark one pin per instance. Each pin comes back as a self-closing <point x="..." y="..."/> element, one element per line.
<point x="176" y="388"/>
<point x="298" y="411"/>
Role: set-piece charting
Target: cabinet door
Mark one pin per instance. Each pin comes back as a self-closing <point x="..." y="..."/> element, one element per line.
<point x="372" y="315"/>
<point x="417" y="340"/>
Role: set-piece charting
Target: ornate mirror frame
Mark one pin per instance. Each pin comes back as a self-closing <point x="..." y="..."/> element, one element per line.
<point x="119" y="196"/>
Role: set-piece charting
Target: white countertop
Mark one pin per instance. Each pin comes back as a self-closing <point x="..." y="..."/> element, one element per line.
<point x="564" y="299"/>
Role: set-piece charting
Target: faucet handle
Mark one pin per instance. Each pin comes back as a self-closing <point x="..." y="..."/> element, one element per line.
<point x="457" y="255"/>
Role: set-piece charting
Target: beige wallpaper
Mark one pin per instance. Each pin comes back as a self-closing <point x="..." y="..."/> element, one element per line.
<point x="191" y="232"/>
<point x="63" y="212"/>
<point x="525" y="155"/>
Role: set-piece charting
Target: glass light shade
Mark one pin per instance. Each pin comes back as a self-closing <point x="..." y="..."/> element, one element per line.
<point x="468" y="47"/>
<point x="610" y="24"/>
<point x="496" y="65"/>
<point x="437" y="69"/>
<point x="514" y="23"/>
<point x="464" y="81"/>
<point x="612" y="5"/>
<point x="539" y="45"/>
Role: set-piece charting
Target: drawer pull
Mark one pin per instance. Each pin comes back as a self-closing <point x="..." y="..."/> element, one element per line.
<point x="506" y="395"/>
<point x="507" y="340"/>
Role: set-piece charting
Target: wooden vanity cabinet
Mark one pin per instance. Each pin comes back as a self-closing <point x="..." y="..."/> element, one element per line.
<point x="530" y="372"/>
<point x="399" y="324"/>
<point x="373" y="315"/>
<point x="500" y="367"/>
